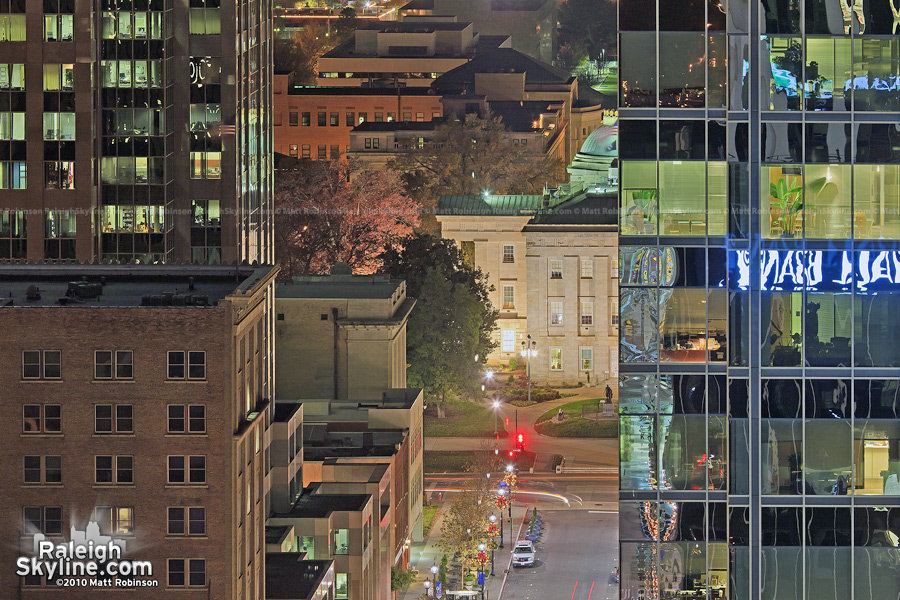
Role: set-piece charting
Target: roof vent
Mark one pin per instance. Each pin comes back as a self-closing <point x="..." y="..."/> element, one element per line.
<point x="33" y="293"/>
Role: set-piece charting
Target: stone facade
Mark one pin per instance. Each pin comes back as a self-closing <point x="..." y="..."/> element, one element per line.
<point x="517" y="241"/>
<point x="582" y="345"/>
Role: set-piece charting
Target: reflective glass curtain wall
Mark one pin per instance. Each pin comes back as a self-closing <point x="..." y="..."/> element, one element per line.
<point x="759" y="271"/>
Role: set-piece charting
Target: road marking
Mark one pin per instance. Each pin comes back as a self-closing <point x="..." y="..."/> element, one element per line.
<point x="603" y="512"/>
<point x="592" y="590"/>
<point x="573" y="591"/>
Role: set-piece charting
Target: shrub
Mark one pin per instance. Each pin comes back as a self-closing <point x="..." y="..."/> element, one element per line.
<point x="511" y="379"/>
<point x="513" y="364"/>
<point x="556" y="461"/>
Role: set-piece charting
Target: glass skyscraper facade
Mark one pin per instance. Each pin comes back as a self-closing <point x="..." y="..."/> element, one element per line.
<point x="136" y="130"/>
<point x="759" y="155"/>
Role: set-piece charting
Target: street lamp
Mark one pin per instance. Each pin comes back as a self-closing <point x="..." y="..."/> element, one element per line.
<point x="501" y="492"/>
<point x="496" y="408"/>
<point x="493" y="519"/>
<point x="529" y="349"/>
<point x="434" y="572"/>
<point x="481" y="560"/>
<point x="427" y="588"/>
<point x="509" y="469"/>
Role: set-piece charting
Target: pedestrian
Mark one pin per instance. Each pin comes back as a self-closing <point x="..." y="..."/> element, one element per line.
<point x="608" y="393"/>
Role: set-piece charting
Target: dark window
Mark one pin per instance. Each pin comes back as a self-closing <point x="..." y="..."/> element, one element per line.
<point x="196" y="365"/>
<point x="176" y="366"/>
<point x="42" y="418"/>
<point x="304" y="119"/>
<point x="351" y="119"/>
<point x="323" y="152"/>
<point x="37" y="364"/>
<point x="293" y="121"/>
<point x="103" y="364"/>
<point x="321" y="120"/>
<point x="32" y="469"/>
<point x="335" y="152"/>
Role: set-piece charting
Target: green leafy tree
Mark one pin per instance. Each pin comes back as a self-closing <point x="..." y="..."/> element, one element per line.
<point x="587" y="30"/>
<point x="401" y="579"/>
<point x="472" y="156"/>
<point x="453" y="320"/>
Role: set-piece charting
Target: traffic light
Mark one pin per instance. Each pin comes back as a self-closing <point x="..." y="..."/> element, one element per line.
<point x="520" y="441"/>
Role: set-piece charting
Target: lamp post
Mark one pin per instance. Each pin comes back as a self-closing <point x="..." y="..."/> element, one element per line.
<point x="496" y="408"/>
<point x="428" y="588"/>
<point x="509" y="469"/>
<point x="434" y="572"/>
<point x="501" y="492"/>
<point x="493" y="519"/>
<point x="481" y="560"/>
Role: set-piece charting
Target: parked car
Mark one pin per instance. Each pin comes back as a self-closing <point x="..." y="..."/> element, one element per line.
<point x="523" y="554"/>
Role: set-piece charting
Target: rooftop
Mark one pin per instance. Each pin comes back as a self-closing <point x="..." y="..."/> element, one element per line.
<point x="489" y="204"/>
<point x="318" y="506"/>
<point x="275" y="533"/>
<point x="398" y="126"/>
<point x="585" y="208"/>
<point x="124" y="285"/>
<point x="502" y="60"/>
<point x="285" y="411"/>
<point x="338" y="286"/>
<point x="349" y="90"/>
<point x="289" y="577"/>
<point x="413" y="26"/>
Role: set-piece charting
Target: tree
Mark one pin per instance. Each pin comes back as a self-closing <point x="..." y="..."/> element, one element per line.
<point x="401" y="579"/>
<point x="453" y="320"/>
<point x="300" y="53"/>
<point x="467" y="522"/>
<point x="472" y="156"/>
<point x="328" y="212"/>
<point x="587" y="29"/>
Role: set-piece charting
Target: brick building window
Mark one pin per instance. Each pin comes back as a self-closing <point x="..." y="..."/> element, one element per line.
<point x="114" y="469"/>
<point x="335" y="152"/>
<point x="321" y="119"/>
<point x="363" y="117"/>
<point x="189" y="470"/>
<point x="334" y="119"/>
<point x="304" y="119"/>
<point x="293" y="119"/>
<point x="294" y="151"/>
<point x="115" y="520"/>
<point x="41" y="364"/>
<point x="189" y="418"/>
<point x="509" y="254"/>
<point x="407" y="116"/>
<point x="42" y="418"/>
<point x="379" y="117"/>
<point x="186" y="520"/>
<point x="42" y="519"/>
<point x="420" y="116"/>
<point x="43" y="469"/>
<point x="323" y="152"/>
<point x="183" y="572"/>
<point x="110" y="364"/>
<point x="194" y="368"/>
<point x="351" y="119"/>
<point x="113" y="418"/>
<point x="305" y="151"/>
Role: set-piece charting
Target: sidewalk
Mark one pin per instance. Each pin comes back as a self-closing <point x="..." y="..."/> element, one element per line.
<point x="427" y="553"/>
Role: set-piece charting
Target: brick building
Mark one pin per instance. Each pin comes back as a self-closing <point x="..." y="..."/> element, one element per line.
<point x="138" y="398"/>
<point x="314" y="122"/>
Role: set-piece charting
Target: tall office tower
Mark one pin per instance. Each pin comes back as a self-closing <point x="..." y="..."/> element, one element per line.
<point x="136" y="129"/>
<point x="760" y="298"/>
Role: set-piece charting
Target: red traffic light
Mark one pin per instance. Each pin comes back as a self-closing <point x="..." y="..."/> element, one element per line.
<point x="521" y="438"/>
<point x="510" y="453"/>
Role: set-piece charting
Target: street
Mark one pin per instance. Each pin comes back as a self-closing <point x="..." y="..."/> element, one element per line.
<point x="578" y="544"/>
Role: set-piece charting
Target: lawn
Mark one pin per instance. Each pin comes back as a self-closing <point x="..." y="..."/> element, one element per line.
<point x="428" y="514"/>
<point x="464" y="419"/>
<point x="575" y="426"/>
<point x="457" y="462"/>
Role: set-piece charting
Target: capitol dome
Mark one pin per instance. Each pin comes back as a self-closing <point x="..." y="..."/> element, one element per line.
<point x="602" y="142"/>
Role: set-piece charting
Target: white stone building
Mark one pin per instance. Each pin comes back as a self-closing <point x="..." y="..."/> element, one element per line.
<point x="554" y="267"/>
